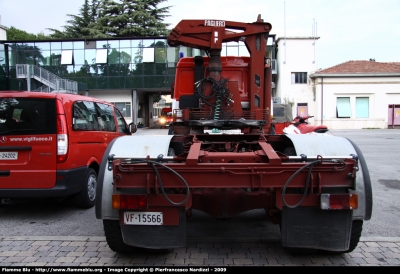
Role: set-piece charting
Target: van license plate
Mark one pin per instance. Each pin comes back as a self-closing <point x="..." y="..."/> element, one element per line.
<point x="143" y="218"/>
<point x="8" y="155"/>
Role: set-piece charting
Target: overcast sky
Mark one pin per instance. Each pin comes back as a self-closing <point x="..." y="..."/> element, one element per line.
<point x="348" y="29"/>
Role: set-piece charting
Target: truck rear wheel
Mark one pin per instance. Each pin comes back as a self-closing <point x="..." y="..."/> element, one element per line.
<point x="113" y="234"/>
<point x="356" y="229"/>
<point x="290" y="151"/>
<point x="177" y="147"/>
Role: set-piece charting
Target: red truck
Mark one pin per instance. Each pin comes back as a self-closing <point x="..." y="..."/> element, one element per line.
<point x="223" y="158"/>
<point x="165" y="118"/>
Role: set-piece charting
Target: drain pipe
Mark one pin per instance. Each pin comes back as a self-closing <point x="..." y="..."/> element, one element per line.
<point x="322" y="101"/>
<point x="393" y="115"/>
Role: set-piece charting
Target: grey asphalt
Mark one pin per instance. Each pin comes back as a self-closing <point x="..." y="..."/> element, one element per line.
<point x="72" y="251"/>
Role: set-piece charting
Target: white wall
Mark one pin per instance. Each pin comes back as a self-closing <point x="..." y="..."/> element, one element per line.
<point x="3" y="33"/>
<point x="296" y="55"/>
<point x="381" y="92"/>
<point x="112" y="96"/>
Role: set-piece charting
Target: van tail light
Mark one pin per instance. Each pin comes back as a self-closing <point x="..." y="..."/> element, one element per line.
<point x="62" y="134"/>
<point x="129" y="201"/>
<point x="339" y="201"/>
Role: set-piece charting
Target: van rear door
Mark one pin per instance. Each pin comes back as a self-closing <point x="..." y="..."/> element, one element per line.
<point x="28" y="142"/>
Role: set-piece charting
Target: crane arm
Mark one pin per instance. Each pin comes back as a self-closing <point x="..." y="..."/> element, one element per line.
<point x="210" y="34"/>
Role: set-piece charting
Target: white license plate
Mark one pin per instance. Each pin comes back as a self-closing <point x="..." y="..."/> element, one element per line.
<point x="143" y="218"/>
<point x="8" y="155"/>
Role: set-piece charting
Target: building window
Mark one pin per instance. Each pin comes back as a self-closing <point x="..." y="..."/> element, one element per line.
<point x="302" y="109"/>
<point x="299" y="77"/>
<point x="160" y="55"/>
<point x="343" y="109"/>
<point x="55" y="58"/>
<point x="79" y="57"/>
<point x="125" y="108"/>
<point x="90" y="57"/>
<point x="362" y="107"/>
<point x="172" y="56"/>
<point x="2" y="57"/>
<point x="67" y="57"/>
<point x="101" y="56"/>
<point x="148" y="55"/>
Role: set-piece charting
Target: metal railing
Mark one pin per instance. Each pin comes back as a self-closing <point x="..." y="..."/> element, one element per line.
<point x="44" y="88"/>
<point x="52" y="82"/>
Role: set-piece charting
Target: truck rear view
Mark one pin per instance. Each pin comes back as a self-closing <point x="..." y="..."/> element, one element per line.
<point x="222" y="158"/>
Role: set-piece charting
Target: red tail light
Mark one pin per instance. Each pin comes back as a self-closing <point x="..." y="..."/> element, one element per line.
<point x="339" y="201"/>
<point x="129" y="201"/>
<point x="62" y="134"/>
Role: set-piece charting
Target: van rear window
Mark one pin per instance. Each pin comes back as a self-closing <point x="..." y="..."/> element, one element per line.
<point x="20" y="116"/>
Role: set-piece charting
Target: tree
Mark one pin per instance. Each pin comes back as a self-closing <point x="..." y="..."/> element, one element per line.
<point x="116" y="18"/>
<point x="156" y="97"/>
<point x="78" y="25"/>
<point x="17" y="34"/>
<point x="108" y="18"/>
<point x="129" y="18"/>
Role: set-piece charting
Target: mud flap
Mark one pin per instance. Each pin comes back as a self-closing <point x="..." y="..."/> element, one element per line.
<point x="156" y="236"/>
<point x="314" y="228"/>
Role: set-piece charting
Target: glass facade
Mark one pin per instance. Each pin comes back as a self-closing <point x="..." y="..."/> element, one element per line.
<point x="101" y="64"/>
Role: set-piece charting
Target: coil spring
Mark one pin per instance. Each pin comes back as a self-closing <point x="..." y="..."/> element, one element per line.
<point x="219" y="90"/>
<point x="217" y="106"/>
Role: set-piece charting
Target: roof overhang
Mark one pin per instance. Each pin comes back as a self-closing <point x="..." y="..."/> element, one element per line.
<point x="348" y="75"/>
<point x="297" y="38"/>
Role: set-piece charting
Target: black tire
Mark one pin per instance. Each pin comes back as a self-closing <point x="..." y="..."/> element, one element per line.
<point x="87" y="197"/>
<point x="170" y="130"/>
<point x="356" y="230"/>
<point x="112" y="230"/>
<point x="171" y="152"/>
<point x="177" y="147"/>
<point x="273" y="131"/>
<point x="290" y="151"/>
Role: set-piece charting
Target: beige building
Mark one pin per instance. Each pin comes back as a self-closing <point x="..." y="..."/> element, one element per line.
<point x="357" y="95"/>
<point x="351" y="95"/>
